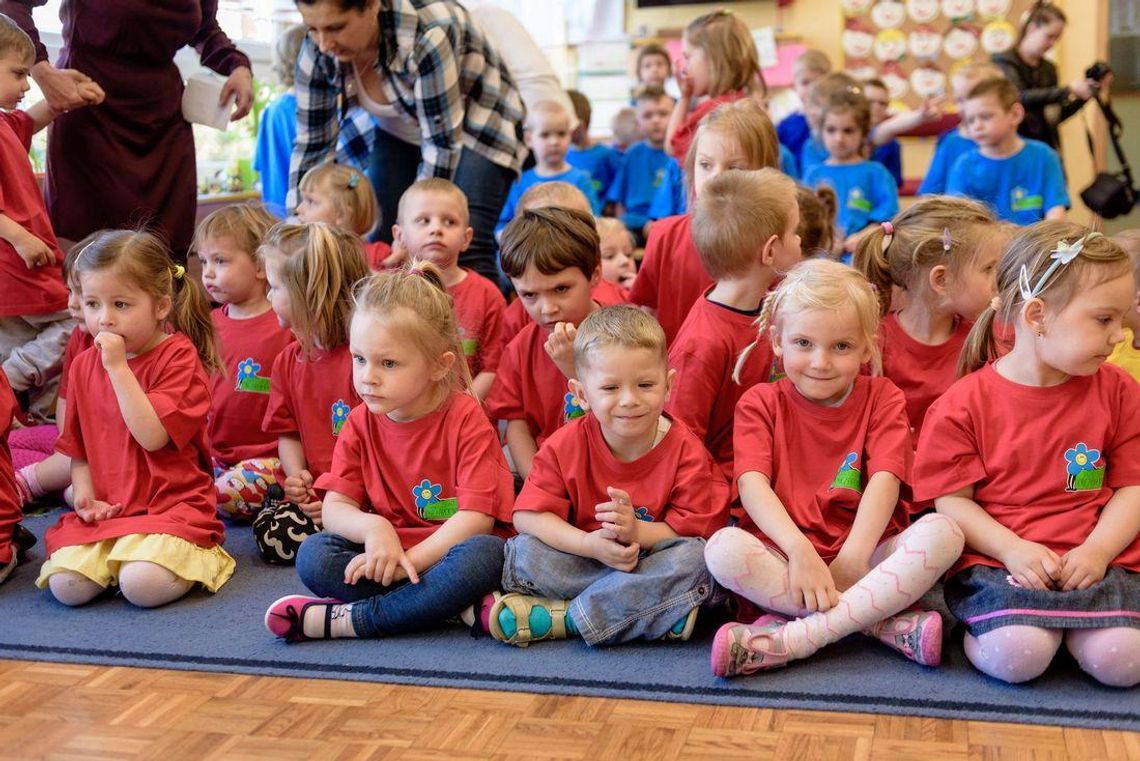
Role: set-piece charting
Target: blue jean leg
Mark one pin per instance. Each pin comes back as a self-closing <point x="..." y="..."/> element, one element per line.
<point x="610" y="606"/>
<point x="466" y="573"/>
<point x="486" y="185"/>
<point x="392" y="169"/>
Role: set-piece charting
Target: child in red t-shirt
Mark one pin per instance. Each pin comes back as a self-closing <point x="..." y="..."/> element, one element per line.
<point x="618" y="503"/>
<point x="822" y="457"/>
<point x="551" y="256"/>
<point x="40" y="470"/>
<point x="418" y="479"/>
<point x="144" y="515"/>
<point x="10" y="512"/>
<point x="671" y="279"/>
<point x="615" y="244"/>
<point x="941" y="253"/>
<point x="720" y="65"/>
<point x="245" y="457"/>
<point x="1036" y="455"/>
<point x="744" y="226"/>
<point x="341" y="196"/>
<point x="432" y="225"/>
<point x="34" y="323"/>
<point x="311" y="270"/>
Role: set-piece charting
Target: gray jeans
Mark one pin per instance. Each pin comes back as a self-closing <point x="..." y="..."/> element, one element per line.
<point x="610" y="606"/>
<point x="31" y="348"/>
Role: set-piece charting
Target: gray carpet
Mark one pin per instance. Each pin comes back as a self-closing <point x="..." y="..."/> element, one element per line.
<point x="224" y="632"/>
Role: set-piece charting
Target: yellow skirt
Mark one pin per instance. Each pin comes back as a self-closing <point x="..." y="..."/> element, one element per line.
<point x="100" y="561"/>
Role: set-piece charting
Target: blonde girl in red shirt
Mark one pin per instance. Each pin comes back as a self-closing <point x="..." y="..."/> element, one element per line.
<point x="822" y="462"/>
<point x="417" y="483"/>
<point x="144" y="515"/>
<point x="941" y="253"/>
<point x="341" y="196"/>
<point x="1036" y="455"/>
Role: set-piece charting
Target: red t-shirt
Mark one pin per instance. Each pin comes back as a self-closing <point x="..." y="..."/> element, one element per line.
<point x="1043" y="461"/>
<point x="676" y="481"/>
<point x="819" y="459"/>
<point x="241" y="395"/>
<point x="446" y="461"/>
<point x="10" y="512"/>
<point x="311" y="398"/>
<point x="704" y="355"/>
<point x="530" y="387"/>
<point x="376" y="253"/>
<point x="605" y="293"/>
<point x="39" y="290"/>
<point x="679" y="145"/>
<point x="78" y="342"/>
<point x="671" y="278"/>
<point x="479" y="307"/>
<point x="922" y="372"/>
<point x="168" y="491"/>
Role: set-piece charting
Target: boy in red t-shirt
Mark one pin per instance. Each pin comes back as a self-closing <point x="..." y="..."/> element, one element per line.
<point x="551" y="257"/>
<point x="34" y="323"/>
<point x="432" y="224"/>
<point x="614" y="514"/>
<point x="744" y="226"/>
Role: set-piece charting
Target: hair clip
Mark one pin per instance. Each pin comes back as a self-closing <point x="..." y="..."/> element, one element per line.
<point x="996" y="303"/>
<point x="353" y="180"/>
<point x="947" y="241"/>
<point x="1062" y="256"/>
<point x="179" y="271"/>
<point x="888" y="235"/>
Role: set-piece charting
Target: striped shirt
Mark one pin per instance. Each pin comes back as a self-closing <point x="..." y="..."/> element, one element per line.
<point x="434" y="65"/>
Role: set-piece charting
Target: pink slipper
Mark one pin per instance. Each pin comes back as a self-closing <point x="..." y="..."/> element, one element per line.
<point x="286" y="617"/>
<point x="742" y="649"/>
<point x="917" y="634"/>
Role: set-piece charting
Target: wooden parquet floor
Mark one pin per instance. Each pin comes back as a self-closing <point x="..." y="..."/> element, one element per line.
<point x="65" y="712"/>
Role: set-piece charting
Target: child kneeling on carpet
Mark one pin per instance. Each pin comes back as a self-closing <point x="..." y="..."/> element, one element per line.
<point x="820" y="460"/>
<point x="1036" y="455"/>
<point x="417" y="482"/>
<point x="614" y="512"/>
<point x="136" y="433"/>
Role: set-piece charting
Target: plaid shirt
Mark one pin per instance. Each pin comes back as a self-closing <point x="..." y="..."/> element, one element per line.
<point x="435" y="66"/>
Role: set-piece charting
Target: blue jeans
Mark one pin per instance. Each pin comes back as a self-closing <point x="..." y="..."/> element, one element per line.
<point x="468" y="571"/>
<point x="486" y="185"/>
<point x="610" y="606"/>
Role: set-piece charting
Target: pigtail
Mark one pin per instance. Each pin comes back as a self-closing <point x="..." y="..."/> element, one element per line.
<point x="460" y="370"/>
<point x="190" y="315"/>
<point x="334" y="261"/>
<point x="830" y="203"/>
<point x="981" y="344"/>
<point x="871" y="260"/>
<point x="763" y="327"/>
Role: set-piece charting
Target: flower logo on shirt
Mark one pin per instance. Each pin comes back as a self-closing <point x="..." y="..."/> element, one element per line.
<point x="248" y="378"/>
<point x="340" y="412"/>
<point x="428" y="504"/>
<point x="642" y="514"/>
<point x="1021" y="200"/>
<point x="1081" y="471"/>
<point x="856" y="200"/>
<point x="571" y="409"/>
<point x="848" y="476"/>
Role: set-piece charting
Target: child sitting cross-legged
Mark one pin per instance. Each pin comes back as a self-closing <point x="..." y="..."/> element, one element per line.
<point x="613" y="515"/>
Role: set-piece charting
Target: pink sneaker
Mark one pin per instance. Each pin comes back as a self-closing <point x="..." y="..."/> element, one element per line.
<point x="917" y="634"/>
<point x="743" y="649"/>
<point x="286" y="617"/>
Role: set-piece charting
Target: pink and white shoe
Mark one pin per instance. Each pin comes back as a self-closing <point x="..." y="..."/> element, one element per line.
<point x="745" y="649"/>
<point x="286" y="617"/>
<point x="917" y="634"/>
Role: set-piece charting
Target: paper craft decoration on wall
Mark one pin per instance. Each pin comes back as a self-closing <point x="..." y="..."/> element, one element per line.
<point x="915" y="46"/>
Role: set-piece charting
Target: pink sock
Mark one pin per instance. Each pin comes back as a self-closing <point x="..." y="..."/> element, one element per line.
<point x="27" y="478"/>
<point x="1014" y="653"/>
<point x="1111" y="656"/>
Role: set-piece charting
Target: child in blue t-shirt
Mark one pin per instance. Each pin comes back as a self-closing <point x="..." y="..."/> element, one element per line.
<point x="671" y="197"/>
<point x="645" y="164"/>
<point x="954" y="142"/>
<point x="547" y="134"/>
<point x="866" y="191"/>
<point x="277" y="127"/>
<point x="599" y="161"/>
<point x="1021" y="178"/>
<point x="888" y="153"/>
<point x="793" y="130"/>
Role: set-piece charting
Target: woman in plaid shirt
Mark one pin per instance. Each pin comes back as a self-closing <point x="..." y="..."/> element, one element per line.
<point x="435" y="101"/>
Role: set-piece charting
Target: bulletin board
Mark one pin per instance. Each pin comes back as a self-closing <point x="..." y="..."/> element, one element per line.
<point x="914" y="46"/>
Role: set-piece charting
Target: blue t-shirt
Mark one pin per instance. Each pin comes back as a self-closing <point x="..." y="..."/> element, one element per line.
<point x="669" y="199"/>
<point x="1021" y="187"/>
<point x="866" y="192"/>
<point x="599" y="161"/>
<point x="788" y="163"/>
<point x="276" y="132"/>
<point x="573" y="175"/>
<point x="890" y="156"/>
<point x="951" y="145"/>
<point x="643" y="170"/>
<point x="812" y="155"/>
<point x="793" y="132"/>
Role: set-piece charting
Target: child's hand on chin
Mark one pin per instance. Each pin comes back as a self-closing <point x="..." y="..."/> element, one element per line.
<point x="112" y="350"/>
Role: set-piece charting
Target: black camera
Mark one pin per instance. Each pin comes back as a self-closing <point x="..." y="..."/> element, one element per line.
<point x="1098" y="71"/>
